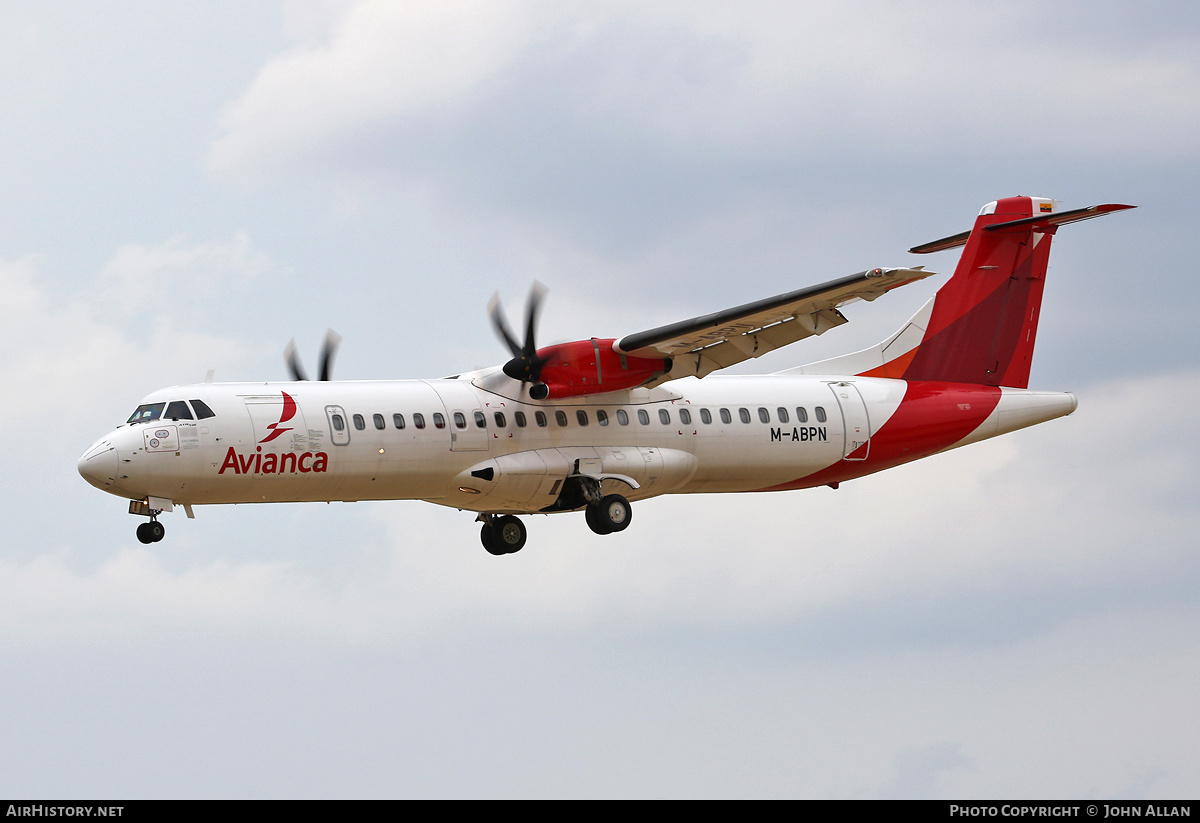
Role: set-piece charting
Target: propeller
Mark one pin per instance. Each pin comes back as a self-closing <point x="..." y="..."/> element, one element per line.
<point x="525" y="365"/>
<point x="328" y="350"/>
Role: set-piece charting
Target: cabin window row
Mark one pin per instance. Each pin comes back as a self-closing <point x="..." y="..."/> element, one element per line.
<point x="562" y="419"/>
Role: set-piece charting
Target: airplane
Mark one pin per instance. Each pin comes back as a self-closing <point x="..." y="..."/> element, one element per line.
<point x="596" y="424"/>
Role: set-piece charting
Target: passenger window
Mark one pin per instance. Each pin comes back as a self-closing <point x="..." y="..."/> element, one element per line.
<point x="705" y="416"/>
<point x="419" y="420"/>
<point x="338" y="423"/>
<point x="500" y="421"/>
<point x="439" y="420"/>
<point x="726" y="417"/>
<point x="820" y="414"/>
<point x="398" y="421"/>
<point x="460" y="420"/>
<point x="480" y="420"/>
<point x="560" y="417"/>
<point x="685" y="417"/>
<point x="203" y="412"/>
<point x="540" y="417"/>
<point x="581" y="416"/>
<point x="744" y="414"/>
<point x="378" y="420"/>
<point x="764" y="416"/>
<point x="664" y="417"/>
<point x="643" y="417"/>
<point x="602" y="417"/>
<point x="359" y="423"/>
<point x="622" y="417"/>
<point x="783" y="415"/>
<point x="801" y="414"/>
<point x="178" y="410"/>
<point x="520" y="418"/>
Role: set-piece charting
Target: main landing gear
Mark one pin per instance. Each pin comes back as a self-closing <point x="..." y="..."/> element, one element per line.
<point x="502" y="535"/>
<point x="506" y="534"/>
<point x="611" y="513"/>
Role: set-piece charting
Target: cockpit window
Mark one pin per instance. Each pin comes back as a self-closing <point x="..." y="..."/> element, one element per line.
<point x="178" y="410"/>
<point x="203" y="412"/>
<point x="146" y="413"/>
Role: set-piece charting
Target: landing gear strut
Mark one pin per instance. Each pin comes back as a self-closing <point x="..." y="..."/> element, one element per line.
<point x="502" y="535"/>
<point x="612" y="513"/>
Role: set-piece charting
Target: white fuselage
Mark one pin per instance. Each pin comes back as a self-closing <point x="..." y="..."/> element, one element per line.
<point x="473" y="443"/>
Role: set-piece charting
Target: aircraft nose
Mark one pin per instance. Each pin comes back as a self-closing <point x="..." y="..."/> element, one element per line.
<point x="98" y="465"/>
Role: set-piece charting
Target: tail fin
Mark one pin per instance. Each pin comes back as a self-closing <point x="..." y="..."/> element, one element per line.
<point x="982" y="324"/>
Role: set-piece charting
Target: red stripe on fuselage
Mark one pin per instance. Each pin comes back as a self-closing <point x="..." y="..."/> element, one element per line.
<point x="932" y="416"/>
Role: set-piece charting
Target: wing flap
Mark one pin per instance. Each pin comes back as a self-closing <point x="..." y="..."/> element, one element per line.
<point x="704" y="344"/>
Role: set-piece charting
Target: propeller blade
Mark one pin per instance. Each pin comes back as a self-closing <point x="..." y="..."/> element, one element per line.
<point x="292" y="358"/>
<point x="500" y="324"/>
<point x="328" y="350"/>
<point x="536" y="293"/>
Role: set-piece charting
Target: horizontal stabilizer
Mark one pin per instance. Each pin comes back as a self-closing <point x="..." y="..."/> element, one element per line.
<point x="1045" y="223"/>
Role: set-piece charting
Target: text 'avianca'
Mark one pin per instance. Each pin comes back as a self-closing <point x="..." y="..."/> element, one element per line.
<point x="271" y="463"/>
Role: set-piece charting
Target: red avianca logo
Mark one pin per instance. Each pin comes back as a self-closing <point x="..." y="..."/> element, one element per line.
<point x="271" y="463"/>
<point x="289" y="411"/>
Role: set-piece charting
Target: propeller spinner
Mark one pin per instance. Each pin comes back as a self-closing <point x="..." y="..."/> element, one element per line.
<point x="328" y="350"/>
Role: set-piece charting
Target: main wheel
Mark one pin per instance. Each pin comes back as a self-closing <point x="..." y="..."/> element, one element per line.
<point x="612" y="514"/>
<point x="592" y="515"/>
<point x="487" y="536"/>
<point x="509" y="533"/>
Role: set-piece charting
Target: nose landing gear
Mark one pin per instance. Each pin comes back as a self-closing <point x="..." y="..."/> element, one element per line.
<point x="151" y="532"/>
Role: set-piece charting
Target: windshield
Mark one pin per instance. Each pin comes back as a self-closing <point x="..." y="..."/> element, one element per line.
<point x="146" y="413"/>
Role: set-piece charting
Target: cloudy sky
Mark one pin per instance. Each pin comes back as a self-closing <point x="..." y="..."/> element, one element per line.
<point x="186" y="187"/>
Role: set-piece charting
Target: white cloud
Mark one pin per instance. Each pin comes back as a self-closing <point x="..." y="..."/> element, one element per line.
<point x="548" y="83"/>
<point x="380" y="60"/>
<point x="75" y="350"/>
<point x="170" y="275"/>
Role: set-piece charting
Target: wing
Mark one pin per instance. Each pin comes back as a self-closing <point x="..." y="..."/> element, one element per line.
<point x="715" y="341"/>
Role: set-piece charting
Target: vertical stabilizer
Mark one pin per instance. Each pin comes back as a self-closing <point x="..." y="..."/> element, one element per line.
<point x="982" y="325"/>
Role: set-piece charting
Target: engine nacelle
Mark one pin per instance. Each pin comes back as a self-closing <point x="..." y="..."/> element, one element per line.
<point x="592" y="367"/>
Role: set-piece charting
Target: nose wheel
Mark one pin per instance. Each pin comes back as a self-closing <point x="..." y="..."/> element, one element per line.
<point x="502" y="535"/>
<point x="151" y="532"/>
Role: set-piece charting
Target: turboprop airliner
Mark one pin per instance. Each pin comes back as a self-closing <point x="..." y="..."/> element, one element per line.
<point x="594" y="424"/>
